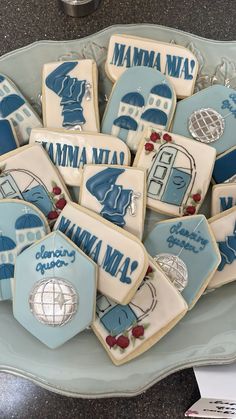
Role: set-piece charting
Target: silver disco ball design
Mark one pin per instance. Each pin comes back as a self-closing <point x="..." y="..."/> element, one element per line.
<point x="206" y="125"/>
<point x="53" y="301"/>
<point x="174" y="268"/>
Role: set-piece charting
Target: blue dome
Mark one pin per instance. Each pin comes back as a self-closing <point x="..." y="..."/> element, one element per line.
<point x="134" y="99"/>
<point x="6" y="271"/>
<point x="156" y="116"/>
<point x="126" y="122"/>
<point x="6" y="244"/>
<point x="2" y="78"/>
<point x="28" y="221"/>
<point x="10" y="104"/>
<point x="162" y="90"/>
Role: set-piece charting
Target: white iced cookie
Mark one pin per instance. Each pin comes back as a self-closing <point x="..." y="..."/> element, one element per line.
<point x="27" y="173"/>
<point x="121" y="257"/>
<point x="71" y="150"/>
<point x="223" y="197"/>
<point x="178" y="171"/>
<point x="117" y="193"/>
<point x="15" y="108"/>
<point x="126" y="331"/>
<point x="178" y="63"/>
<point x="224" y="229"/>
<point x="69" y="95"/>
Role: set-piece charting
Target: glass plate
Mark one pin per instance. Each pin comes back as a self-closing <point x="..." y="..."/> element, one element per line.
<point x="206" y="335"/>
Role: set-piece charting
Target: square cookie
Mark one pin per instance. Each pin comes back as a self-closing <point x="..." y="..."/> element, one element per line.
<point x="69" y="95"/>
<point x="223" y="197"/>
<point x="178" y="171"/>
<point x="116" y="193"/>
<point x="126" y="331"/>
<point x="224" y="229"/>
<point x="186" y="250"/>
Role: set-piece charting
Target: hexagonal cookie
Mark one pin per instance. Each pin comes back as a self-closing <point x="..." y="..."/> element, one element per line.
<point x="55" y="290"/>
<point x="187" y="251"/>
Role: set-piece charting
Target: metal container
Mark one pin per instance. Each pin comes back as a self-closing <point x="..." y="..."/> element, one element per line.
<point x="79" y="8"/>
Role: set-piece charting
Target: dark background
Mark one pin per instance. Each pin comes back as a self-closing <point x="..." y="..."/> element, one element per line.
<point x="26" y="21"/>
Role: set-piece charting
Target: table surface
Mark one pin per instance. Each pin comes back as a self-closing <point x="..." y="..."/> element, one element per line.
<point x="27" y="21"/>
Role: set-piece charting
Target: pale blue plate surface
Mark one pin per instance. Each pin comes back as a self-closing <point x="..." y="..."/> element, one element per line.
<point x="207" y="335"/>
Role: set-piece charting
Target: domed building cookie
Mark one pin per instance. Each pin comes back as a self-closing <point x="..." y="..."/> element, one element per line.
<point x="21" y="224"/>
<point x="140" y="98"/>
<point x="55" y="290"/>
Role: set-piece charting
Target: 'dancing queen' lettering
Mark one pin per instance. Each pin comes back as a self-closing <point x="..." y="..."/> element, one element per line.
<point x="56" y="258"/>
<point x="191" y="241"/>
<point x="230" y="104"/>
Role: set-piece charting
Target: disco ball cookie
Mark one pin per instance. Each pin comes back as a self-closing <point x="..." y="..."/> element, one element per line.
<point x="187" y="252"/>
<point x="55" y="290"/>
<point x="127" y="331"/>
<point x="178" y="171"/>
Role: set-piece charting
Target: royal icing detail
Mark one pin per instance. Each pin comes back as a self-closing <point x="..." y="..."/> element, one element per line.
<point x="225" y="169"/>
<point x="8" y="139"/>
<point x="55" y="290"/>
<point x="141" y="97"/>
<point x="116" y="193"/>
<point x="209" y="116"/>
<point x="223" y="197"/>
<point x="224" y="229"/>
<point x="70" y="98"/>
<point x="28" y="174"/>
<point x="70" y="151"/>
<point x="127" y="331"/>
<point x="178" y="171"/>
<point x="121" y="257"/>
<point x="21" y="224"/>
<point x="178" y="64"/>
<point x="15" y="108"/>
<point x="193" y="254"/>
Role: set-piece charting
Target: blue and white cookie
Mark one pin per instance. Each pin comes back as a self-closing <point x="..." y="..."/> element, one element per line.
<point x="141" y="97"/>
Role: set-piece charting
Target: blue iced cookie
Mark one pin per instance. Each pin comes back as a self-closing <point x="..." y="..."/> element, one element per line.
<point x="141" y="97"/>
<point x="21" y="224"/>
<point x="55" y="290"/>
<point x="15" y="108"/>
<point x="187" y="251"/>
<point x="208" y="116"/>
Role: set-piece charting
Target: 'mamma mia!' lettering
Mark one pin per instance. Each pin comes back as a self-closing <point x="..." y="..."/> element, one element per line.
<point x="65" y="155"/>
<point x="108" y="258"/>
<point x="175" y="65"/>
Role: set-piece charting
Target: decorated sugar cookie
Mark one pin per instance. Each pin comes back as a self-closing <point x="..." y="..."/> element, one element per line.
<point x="141" y="97"/>
<point x="127" y="331"/>
<point x="178" y="171"/>
<point x="15" y="108"/>
<point x="223" y="197"/>
<point x="28" y="174"/>
<point x="225" y="168"/>
<point x="70" y="98"/>
<point x="55" y="290"/>
<point x="224" y="229"/>
<point x="117" y="193"/>
<point x="186" y="250"/>
<point x="71" y="150"/>
<point x="21" y="224"/>
<point x="209" y="117"/>
<point x="121" y="257"/>
<point x="178" y="63"/>
<point x="8" y="138"/>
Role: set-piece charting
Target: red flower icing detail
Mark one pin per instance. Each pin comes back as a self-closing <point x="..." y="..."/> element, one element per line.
<point x="190" y="210"/>
<point x="53" y="215"/>
<point x="149" y="270"/>
<point x="61" y="203"/>
<point x="197" y="197"/>
<point x="122" y="341"/>
<point x="149" y="147"/>
<point x="138" y="331"/>
<point x="56" y="190"/>
<point x="111" y="341"/>
<point x="167" y="137"/>
<point x="155" y="136"/>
